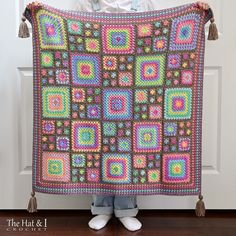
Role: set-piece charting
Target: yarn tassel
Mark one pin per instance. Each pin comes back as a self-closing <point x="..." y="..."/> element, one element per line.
<point x="32" y="206"/>
<point x="213" y="31"/>
<point x="23" y="29"/>
<point x="200" y="207"/>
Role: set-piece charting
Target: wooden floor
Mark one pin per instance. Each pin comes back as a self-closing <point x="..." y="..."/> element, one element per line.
<point x="155" y="222"/>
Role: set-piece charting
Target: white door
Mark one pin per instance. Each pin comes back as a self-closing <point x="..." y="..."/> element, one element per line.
<point x="219" y="115"/>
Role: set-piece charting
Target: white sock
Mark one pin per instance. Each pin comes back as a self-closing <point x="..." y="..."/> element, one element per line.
<point x="99" y="221"/>
<point x="131" y="223"/>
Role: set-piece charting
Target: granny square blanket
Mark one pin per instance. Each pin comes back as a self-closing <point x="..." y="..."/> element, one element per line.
<point x="118" y="101"/>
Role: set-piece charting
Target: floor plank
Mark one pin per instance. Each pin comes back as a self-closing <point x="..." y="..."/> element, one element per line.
<point x="155" y="222"/>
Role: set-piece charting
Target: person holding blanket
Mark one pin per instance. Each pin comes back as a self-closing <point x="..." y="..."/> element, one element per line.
<point x="124" y="207"/>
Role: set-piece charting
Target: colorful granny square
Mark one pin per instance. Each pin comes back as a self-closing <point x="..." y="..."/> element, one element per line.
<point x="117" y="104"/>
<point x="48" y="126"/>
<point x="187" y="77"/>
<point x="118" y="39"/>
<point x="149" y="70"/>
<point x="184" y="32"/>
<point x="124" y="144"/>
<point x="93" y="175"/>
<point x="63" y="143"/>
<point x="92" y="45"/>
<point x="154" y="176"/>
<point x="144" y="30"/>
<point x="147" y="137"/>
<point x="75" y="27"/>
<point x="56" y="166"/>
<point x="86" y="136"/>
<point x="52" y="32"/>
<point x="62" y="76"/>
<point x="125" y="79"/>
<point x="178" y="103"/>
<point x="109" y="63"/>
<point x="174" y="61"/>
<point x="86" y="70"/>
<point x="56" y="102"/>
<point x="141" y="96"/>
<point x="160" y="44"/>
<point x="139" y="161"/>
<point x="109" y="129"/>
<point x="93" y="111"/>
<point x="155" y="112"/>
<point x="170" y="129"/>
<point x="47" y="59"/>
<point x="176" y="168"/>
<point x="78" y="95"/>
<point x="116" y="168"/>
<point x="78" y="160"/>
<point x="184" y="144"/>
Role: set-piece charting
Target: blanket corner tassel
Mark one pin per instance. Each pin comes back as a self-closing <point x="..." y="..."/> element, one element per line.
<point x="32" y="206"/>
<point x="23" y="29"/>
<point x="213" y="31"/>
<point x="200" y="207"/>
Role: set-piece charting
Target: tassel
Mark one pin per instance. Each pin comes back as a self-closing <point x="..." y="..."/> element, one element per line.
<point x="200" y="207"/>
<point x="213" y="31"/>
<point x="32" y="206"/>
<point x="23" y="29"/>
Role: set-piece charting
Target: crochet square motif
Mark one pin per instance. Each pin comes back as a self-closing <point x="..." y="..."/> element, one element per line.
<point x="118" y="105"/>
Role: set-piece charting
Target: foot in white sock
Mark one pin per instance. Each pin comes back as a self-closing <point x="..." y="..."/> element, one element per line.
<point x="131" y="223"/>
<point x="99" y="221"/>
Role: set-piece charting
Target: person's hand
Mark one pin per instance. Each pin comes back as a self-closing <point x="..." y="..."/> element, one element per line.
<point x="35" y="3"/>
<point x="203" y="5"/>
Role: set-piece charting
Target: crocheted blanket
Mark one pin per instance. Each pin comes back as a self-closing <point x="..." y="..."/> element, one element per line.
<point x="118" y="101"/>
